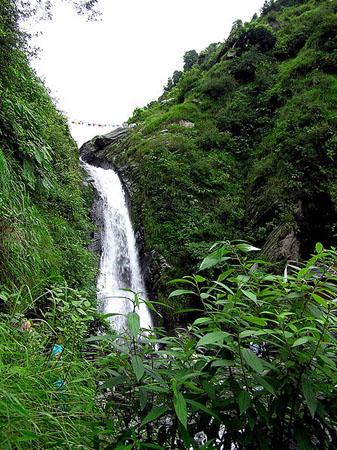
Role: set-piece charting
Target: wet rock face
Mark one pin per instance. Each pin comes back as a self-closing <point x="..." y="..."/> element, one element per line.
<point x="153" y="266"/>
<point x="290" y="247"/>
<point x="93" y="152"/>
<point x="97" y="218"/>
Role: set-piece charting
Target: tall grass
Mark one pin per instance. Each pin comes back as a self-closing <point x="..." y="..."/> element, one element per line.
<point x="34" y="412"/>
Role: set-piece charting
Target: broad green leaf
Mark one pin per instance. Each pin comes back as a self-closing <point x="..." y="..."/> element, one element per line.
<point x="215" y="338"/>
<point x="319" y="247"/>
<point x="249" y="333"/>
<point x="319" y="299"/>
<point x="199" y="279"/>
<point x="201" y="320"/>
<point x="155" y="412"/>
<point x="223" y="363"/>
<point x="214" y="258"/>
<point x="186" y="310"/>
<point x="181" y="280"/>
<point x="218" y="283"/>
<point x="244" y="401"/>
<point x="249" y="295"/>
<point x="246" y="247"/>
<point x="252" y="360"/>
<point x="138" y="366"/>
<point x="268" y="387"/>
<point x="328" y="361"/>
<point x="200" y="407"/>
<point x="180" y="408"/>
<point x="133" y="323"/>
<point x="309" y="395"/>
<point x="256" y="320"/>
<point x="179" y="292"/>
<point x="143" y="396"/>
<point x="302" y="340"/>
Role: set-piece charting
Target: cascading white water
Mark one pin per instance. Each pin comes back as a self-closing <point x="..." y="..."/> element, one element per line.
<point x="119" y="266"/>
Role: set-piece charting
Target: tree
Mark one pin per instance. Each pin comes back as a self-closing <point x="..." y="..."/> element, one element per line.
<point x="190" y="59"/>
<point x="43" y="9"/>
<point x="169" y="85"/>
<point x="205" y="56"/>
<point x="237" y="29"/>
<point x="258" y="36"/>
<point x="267" y="6"/>
<point x="176" y="76"/>
<point x="172" y="81"/>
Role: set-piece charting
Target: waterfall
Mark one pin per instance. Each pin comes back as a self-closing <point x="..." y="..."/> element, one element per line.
<point x="119" y="265"/>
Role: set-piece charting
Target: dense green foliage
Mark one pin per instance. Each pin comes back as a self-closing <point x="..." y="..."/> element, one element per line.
<point x="260" y="160"/>
<point x="242" y="143"/>
<point x="44" y="224"/>
<point x="257" y="370"/>
<point x="34" y="411"/>
<point x="46" y="272"/>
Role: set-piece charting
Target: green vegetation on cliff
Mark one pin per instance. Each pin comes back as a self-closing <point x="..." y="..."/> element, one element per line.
<point x="44" y="226"/>
<point x="47" y="275"/>
<point x="243" y="143"/>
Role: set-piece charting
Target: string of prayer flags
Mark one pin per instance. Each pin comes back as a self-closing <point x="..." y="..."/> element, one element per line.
<point x="94" y="124"/>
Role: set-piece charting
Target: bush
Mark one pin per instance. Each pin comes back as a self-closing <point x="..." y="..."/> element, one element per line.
<point x="35" y="411"/>
<point x="259" y="36"/>
<point x="256" y="370"/>
<point x="216" y="87"/>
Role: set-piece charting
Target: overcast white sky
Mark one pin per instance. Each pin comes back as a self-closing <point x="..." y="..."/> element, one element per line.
<point x="100" y="72"/>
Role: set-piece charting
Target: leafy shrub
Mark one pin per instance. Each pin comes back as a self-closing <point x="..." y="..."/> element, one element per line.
<point x="35" y="412"/>
<point x="190" y="59"/>
<point x="217" y="86"/>
<point x="257" y="369"/>
<point x="188" y="81"/>
<point x="259" y="36"/>
<point x="244" y="67"/>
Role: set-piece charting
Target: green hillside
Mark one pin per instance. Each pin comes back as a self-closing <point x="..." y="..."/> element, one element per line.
<point x="47" y="275"/>
<point x="43" y="203"/>
<point x="258" y="158"/>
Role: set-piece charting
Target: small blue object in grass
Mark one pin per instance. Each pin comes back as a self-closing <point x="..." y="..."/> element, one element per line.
<point x="59" y="384"/>
<point x="56" y="351"/>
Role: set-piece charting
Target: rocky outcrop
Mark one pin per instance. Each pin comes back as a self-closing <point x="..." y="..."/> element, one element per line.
<point x="282" y="244"/>
<point x="94" y="151"/>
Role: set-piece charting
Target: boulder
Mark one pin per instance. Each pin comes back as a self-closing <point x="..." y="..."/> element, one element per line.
<point x="186" y="124"/>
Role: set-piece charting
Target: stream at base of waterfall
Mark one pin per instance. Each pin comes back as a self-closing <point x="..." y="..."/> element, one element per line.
<point x="119" y="265"/>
